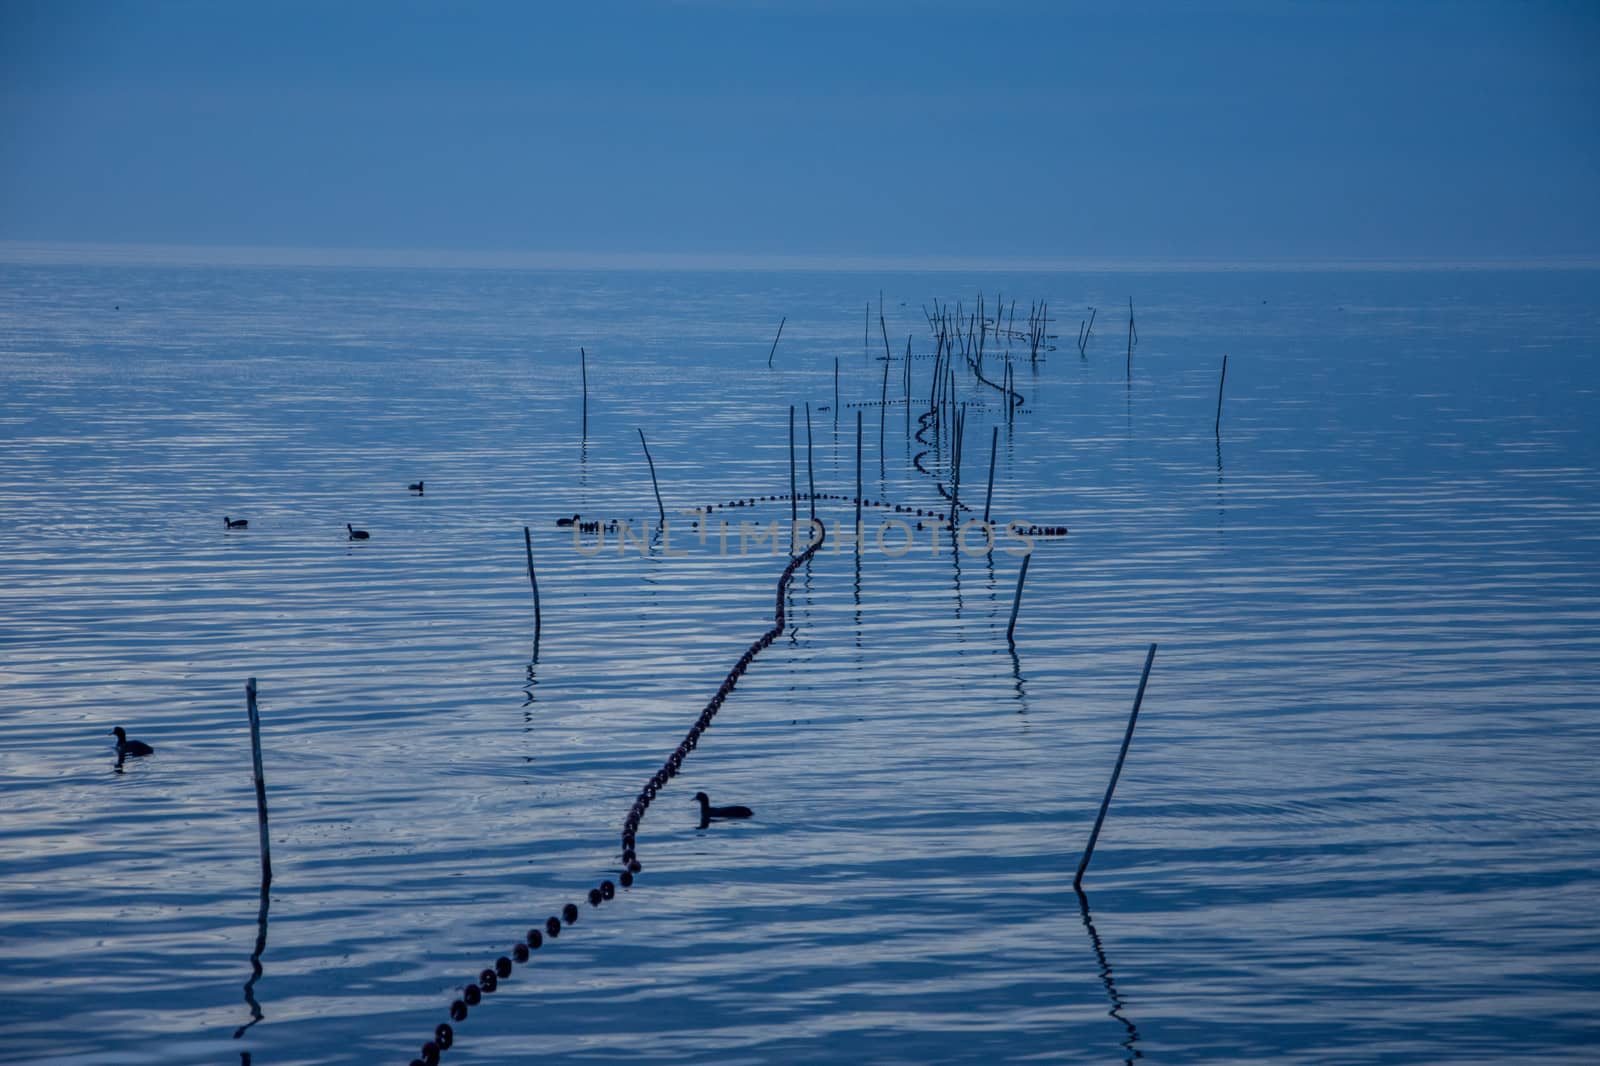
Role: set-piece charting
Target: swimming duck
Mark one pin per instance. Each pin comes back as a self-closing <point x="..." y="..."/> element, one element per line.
<point x="415" y="486"/>
<point x="708" y="812"/>
<point x="567" y="521"/>
<point x="126" y="747"/>
<point x="235" y="523"/>
<point x="357" y="534"/>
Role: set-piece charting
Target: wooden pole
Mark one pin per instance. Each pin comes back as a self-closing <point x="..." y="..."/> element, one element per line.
<point x="775" y="341"/>
<point x="836" y="381"/>
<point x="794" y="490"/>
<point x="527" y="542"/>
<point x="811" y="477"/>
<point x="261" y="781"/>
<point x="883" y="402"/>
<point x="1127" y="738"/>
<point x="659" y="508"/>
<point x="858" y="480"/>
<point x="1016" y="603"/>
<point x="994" y="443"/>
<point x="583" y="366"/>
<point x="1222" y="382"/>
<point x="1132" y="336"/>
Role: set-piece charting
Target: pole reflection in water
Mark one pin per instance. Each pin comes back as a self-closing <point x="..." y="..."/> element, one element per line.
<point x="255" y="965"/>
<point x="1106" y="979"/>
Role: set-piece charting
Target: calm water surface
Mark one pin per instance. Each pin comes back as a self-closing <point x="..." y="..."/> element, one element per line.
<point x="1358" y="823"/>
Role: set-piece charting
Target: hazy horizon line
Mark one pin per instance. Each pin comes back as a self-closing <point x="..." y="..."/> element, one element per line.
<point x="82" y="253"/>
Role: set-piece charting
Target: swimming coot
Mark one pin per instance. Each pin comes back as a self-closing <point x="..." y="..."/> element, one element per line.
<point x="567" y="521"/>
<point x="708" y="812"/>
<point x="415" y="486"/>
<point x="126" y="747"/>
<point x="357" y="534"/>
<point x="235" y="523"/>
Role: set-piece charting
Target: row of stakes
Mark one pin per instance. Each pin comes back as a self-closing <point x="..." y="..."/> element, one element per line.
<point x="489" y="979"/>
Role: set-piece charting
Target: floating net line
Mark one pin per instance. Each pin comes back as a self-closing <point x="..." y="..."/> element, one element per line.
<point x="489" y="979"/>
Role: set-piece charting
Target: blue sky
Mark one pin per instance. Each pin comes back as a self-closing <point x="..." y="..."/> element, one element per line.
<point x="1244" y="130"/>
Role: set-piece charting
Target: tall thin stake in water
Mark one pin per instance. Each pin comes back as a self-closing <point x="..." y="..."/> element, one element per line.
<point x="775" y="341"/>
<point x="583" y="367"/>
<point x="662" y="511"/>
<point x="994" y="443"/>
<point x="1220" y="383"/>
<point x="858" y="481"/>
<point x="1127" y="738"/>
<point x="261" y="781"/>
<point x="527" y="542"/>
<point x="836" y="382"/>
<point x="794" y="489"/>
<point x="811" y="479"/>
<point x="883" y="402"/>
<point x="907" y="376"/>
<point x="1133" y="336"/>
<point x="1016" y="602"/>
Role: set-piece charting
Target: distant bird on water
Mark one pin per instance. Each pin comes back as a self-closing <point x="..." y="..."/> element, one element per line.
<point x="126" y="747"/>
<point x="415" y="486"/>
<point x="235" y="523"/>
<point x="708" y="812"/>
<point x="567" y="521"/>
<point x="357" y="534"/>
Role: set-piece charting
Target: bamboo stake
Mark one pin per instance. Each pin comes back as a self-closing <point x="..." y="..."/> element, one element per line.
<point x="1133" y="336"/>
<point x="794" y="491"/>
<point x="261" y="781"/>
<point x="1220" y="383"/>
<point x="527" y="541"/>
<point x="811" y="480"/>
<point x="662" y="511"/>
<point x="1127" y="738"/>
<point x="858" y="481"/>
<point x="1016" y="603"/>
<point x="775" y="341"/>
<point x="994" y="443"/>
<point x="883" y="402"/>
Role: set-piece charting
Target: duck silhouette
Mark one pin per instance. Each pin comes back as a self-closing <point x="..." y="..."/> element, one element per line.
<point x="129" y="748"/>
<point x="567" y="521"/>
<point x="357" y="534"/>
<point x="708" y="812"/>
<point x="415" y="486"/>
<point x="235" y="523"/>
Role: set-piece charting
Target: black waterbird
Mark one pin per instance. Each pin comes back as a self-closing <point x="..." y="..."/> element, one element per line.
<point x="126" y="747"/>
<point x="708" y="812"/>
<point x="357" y="534"/>
<point x="235" y="523"/>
